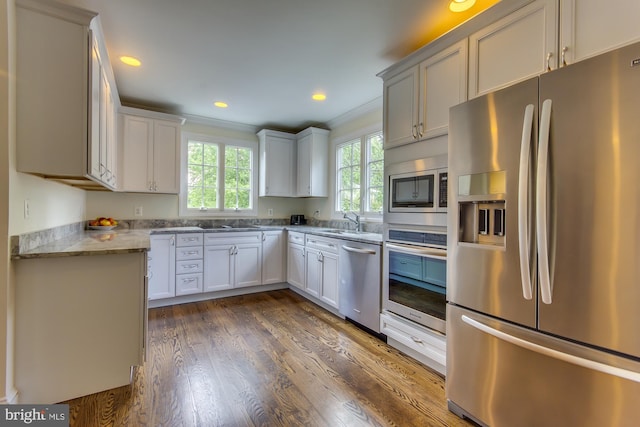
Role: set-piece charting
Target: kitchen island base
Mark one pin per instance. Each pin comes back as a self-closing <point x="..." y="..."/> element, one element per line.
<point x="80" y="324"/>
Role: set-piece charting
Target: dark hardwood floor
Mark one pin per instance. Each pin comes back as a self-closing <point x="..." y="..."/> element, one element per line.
<point x="267" y="359"/>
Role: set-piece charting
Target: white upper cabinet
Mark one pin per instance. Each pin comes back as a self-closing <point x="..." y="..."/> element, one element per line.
<point x="277" y="163"/>
<point x="519" y="46"/>
<point x="151" y="152"/>
<point x="590" y="27"/>
<point x="313" y="163"/>
<point x="64" y="92"/>
<point x="443" y="84"/>
<point x="417" y="100"/>
<point x="401" y="108"/>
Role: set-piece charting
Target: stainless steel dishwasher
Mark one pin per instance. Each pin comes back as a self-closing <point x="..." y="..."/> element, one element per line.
<point x="360" y="283"/>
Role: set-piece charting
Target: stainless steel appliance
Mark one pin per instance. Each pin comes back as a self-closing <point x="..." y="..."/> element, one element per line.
<point x="417" y="192"/>
<point x="543" y="244"/>
<point x="414" y="284"/>
<point x="359" y="275"/>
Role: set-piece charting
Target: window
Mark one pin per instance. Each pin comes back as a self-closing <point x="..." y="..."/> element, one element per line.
<point x="218" y="177"/>
<point x="360" y="175"/>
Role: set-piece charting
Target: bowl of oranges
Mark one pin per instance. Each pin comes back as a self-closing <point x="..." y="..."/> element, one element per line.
<point x="103" y="223"/>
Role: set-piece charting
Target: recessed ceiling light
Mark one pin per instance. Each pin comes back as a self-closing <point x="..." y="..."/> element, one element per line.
<point x="318" y="96"/>
<point x="461" y="5"/>
<point x="130" y="60"/>
<point x="221" y="104"/>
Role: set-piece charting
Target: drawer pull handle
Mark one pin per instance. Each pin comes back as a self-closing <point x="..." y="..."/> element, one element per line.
<point x="190" y="266"/>
<point x="190" y="253"/>
<point x="416" y="340"/>
<point x="189" y="280"/>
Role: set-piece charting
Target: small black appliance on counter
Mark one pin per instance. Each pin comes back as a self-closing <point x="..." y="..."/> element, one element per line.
<point x="298" y="220"/>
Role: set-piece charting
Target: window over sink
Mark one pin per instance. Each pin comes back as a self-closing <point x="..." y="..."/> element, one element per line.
<point x="360" y="175"/>
<point x="218" y="176"/>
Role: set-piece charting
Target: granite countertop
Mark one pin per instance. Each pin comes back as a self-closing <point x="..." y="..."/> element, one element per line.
<point x="91" y="243"/>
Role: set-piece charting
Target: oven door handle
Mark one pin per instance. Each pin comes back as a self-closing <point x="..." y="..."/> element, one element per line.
<point x="418" y="250"/>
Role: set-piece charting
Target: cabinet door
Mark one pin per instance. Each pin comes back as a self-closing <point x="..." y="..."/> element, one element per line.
<point x="590" y="27"/>
<point x="277" y="166"/>
<point x="162" y="266"/>
<point x="401" y="108"/>
<point x="218" y="267"/>
<point x="329" y="291"/>
<point x="313" y="270"/>
<point x="515" y="48"/>
<point x="94" y="139"/>
<point x="443" y="84"/>
<point x="304" y="166"/>
<point x="138" y="141"/>
<point x="273" y="257"/>
<point x="248" y="265"/>
<point x="166" y="149"/>
<point x="295" y="265"/>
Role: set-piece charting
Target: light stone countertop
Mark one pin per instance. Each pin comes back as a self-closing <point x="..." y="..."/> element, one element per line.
<point x="90" y="242"/>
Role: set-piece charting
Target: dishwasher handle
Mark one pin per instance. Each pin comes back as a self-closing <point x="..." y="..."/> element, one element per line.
<point x="359" y="250"/>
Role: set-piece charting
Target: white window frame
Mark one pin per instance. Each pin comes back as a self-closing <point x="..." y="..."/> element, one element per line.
<point x="222" y="142"/>
<point x="364" y="184"/>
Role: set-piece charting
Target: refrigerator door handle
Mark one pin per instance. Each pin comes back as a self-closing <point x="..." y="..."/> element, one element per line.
<point x="523" y="202"/>
<point x="555" y="354"/>
<point x="541" y="203"/>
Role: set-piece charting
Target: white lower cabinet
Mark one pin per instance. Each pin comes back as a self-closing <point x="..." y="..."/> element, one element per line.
<point x="424" y="344"/>
<point x="295" y="259"/>
<point x="162" y="266"/>
<point x="189" y="263"/>
<point x="273" y="260"/>
<point x="232" y="260"/>
<point x="321" y="256"/>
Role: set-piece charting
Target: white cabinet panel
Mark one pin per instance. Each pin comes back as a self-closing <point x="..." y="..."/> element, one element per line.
<point x="516" y="47"/>
<point x="161" y="265"/>
<point x="313" y="163"/>
<point x="218" y="267"/>
<point x="273" y="257"/>
<point x="296" y="265"/>
<point x="590" y="27"/>
<point x="277" y="163"/>
<point x="401" y="108"/>
<point x="151" y="154"/>
<point x="248" y="265"/>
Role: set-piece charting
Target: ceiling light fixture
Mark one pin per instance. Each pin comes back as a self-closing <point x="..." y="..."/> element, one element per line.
<point x="318" y="96"/>
<point x="130" y="60"/>
<point x="461" y="5"/>
<point x="221" y="104"/>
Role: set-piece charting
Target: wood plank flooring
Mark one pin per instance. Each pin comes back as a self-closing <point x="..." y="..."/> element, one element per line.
<point x="267" y="359"/>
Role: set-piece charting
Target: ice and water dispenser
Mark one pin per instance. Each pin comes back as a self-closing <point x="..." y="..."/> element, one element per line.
<point x="482" y="208"/>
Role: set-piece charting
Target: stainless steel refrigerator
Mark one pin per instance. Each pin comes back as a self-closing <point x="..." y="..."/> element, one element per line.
<point x="543" y="313"/>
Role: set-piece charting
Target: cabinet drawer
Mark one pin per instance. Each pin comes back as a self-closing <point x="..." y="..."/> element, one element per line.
<point x="232" y="238"/>
<point x="189" y="252"/>
<point x="189" y="266"/>
<point x="322" y="243"/>
<point x="295" y="237"/>
<point x="187" y="284"/>
<point x="189" y="239"/>
<point x="429" y="343"/>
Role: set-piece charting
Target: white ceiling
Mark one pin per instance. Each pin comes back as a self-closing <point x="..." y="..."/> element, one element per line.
<point x="263" y="57"/>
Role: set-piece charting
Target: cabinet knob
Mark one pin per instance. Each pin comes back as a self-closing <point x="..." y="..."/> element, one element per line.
<point x="414" y="132"/>
<point x="549" y="56"/>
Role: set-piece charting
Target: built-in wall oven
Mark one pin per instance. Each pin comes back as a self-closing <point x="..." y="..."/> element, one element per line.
<point x="415" y="241"/>
<point x="414" y="284"/>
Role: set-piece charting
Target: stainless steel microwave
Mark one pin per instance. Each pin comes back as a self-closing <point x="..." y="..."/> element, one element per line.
<point x="416" y="188"/>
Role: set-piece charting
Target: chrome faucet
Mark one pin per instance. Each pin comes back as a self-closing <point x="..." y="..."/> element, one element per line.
<point x="355" y="219"/>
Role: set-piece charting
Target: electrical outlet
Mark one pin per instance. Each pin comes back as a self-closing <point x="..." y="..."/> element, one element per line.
<point x="137" y="211"/>
<point x="269" y="212"/>
<point x="27" y="209"/>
